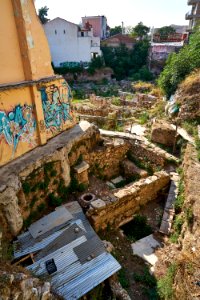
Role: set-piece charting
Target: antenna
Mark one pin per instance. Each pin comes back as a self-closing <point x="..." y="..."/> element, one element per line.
<point x="122" y="27"/>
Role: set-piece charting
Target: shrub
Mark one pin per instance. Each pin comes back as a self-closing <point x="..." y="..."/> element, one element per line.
<point x="177" y="227"/>
<point x="123" y="278"/>
<point x="137" y="229"/>
<point x="144" y="117"/>
<point x="145" y="278"/>
<point x="54" y="200"/>
<point x="26" y="187"/>
<point x="181" y="64"/>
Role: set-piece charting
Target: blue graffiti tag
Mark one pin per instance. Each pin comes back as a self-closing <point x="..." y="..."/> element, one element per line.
<point x="56" y="106"/>
<point x="17" y="124"/>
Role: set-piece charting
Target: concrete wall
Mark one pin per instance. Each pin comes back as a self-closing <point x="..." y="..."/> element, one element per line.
<point x="66" y="45"/>
<point x="99" y="25"/>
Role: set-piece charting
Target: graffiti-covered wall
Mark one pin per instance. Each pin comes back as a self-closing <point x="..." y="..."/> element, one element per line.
<point x="56" y="98"/>
<point x="17" y="124"/>
<point x="28" y="113"/>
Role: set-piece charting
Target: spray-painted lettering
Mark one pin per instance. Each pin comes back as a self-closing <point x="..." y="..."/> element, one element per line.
<point x="56" y="106"/>
<point x="18" y="125"/>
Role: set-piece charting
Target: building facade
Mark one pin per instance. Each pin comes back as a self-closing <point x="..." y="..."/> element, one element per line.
<point x="99" y="25"/>
<point x="118" y="39"/>
<point x="193" y="16"/>
<point x="69" y="43"/>
<point x="35" y="103"/>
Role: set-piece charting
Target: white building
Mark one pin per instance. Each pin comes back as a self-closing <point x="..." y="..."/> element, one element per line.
<point x="69" y="43"/>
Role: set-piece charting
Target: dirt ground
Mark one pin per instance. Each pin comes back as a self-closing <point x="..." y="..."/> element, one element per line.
<point x="133" y="265"/>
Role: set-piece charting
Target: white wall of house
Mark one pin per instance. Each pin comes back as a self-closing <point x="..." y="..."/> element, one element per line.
<point x="67" y="44"/>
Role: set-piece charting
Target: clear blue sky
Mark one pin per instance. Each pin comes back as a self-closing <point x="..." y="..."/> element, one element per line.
<point x="155" y="13"/>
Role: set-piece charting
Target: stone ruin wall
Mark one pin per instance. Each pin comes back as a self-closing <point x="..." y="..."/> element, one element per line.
<point x="103" y="158"/>
<point x="105" y="161"/>
<point x="25" y="178"/>
<point x="128" y="200"/>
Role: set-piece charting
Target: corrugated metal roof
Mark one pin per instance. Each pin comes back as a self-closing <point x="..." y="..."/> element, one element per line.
<point x="25" y="245"/>
<point x="89" y="249"/>
<point x="52" y="220"/>
<point x="79" y="255"/>
<point x="68" y="236"/>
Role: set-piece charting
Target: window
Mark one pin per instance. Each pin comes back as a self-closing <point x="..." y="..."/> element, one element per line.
<point x="55" y="31"/>
<point x="64" y="31"/>
<point x="82" y="33"/>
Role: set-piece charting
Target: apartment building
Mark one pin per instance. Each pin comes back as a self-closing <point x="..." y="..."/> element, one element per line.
<point x="69" y="43"/>
<point x="193" y="16"/>
<point x="99" y="25"/>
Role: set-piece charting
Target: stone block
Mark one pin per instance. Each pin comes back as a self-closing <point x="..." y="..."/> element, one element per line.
<point x="130" y="169"/>
<point x="83" y="166"/>
<point x="117" y="180"/>
<point x="98" y="204"/>
<point x="163" y="133"/>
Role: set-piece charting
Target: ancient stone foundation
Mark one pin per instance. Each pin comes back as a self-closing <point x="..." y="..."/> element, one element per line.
<point x="127" y="201"/>
<point x="26" y="182"/>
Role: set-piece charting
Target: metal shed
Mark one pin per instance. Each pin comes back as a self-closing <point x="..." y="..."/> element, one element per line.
<point x="80" y="260"/>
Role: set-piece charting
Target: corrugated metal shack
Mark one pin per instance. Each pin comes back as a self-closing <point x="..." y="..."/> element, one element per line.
<point x="66" y="251"/>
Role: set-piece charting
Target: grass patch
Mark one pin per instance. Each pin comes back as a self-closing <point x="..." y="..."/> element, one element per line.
<point x="189" y="216"/>
<point x="165" y="284"/>
<point x="144" y="118"/>
<point x="177" y="227"/>
<point x="141" y="164"/>
<point x="123" y="279"/>
<point x="149" y="282"/>
<point x="116" y="101"/>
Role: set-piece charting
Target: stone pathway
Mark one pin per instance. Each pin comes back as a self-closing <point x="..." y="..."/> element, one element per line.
<point x="136" y="129"/>
<point x="169" y="210"/>
<point x="145" y="248"/>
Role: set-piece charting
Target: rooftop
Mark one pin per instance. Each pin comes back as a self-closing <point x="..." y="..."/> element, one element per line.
<point x="64" y="247"/>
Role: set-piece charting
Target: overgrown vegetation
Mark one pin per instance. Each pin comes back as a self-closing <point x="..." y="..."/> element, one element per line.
<point x="137" y="228"/>
<point x="123" y="278"/>
<point x="177" y="227"/>
<point x="128" y="63"/>
<point x="141" y="164"/>
<point x="149" y="283"/>
<point x="179" y="65"/>
<point x="165" y="284"/>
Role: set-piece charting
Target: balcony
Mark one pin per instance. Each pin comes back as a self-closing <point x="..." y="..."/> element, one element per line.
<point x="193" y="2"/>
<point x="189" y="16"/>
<point x="192" y="16"/>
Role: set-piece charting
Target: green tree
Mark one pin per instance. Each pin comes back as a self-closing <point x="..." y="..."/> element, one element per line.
<point x="42" y="14"/>
<point x="181" y="64"/>
<point x="141" y="31"/>
<point x="128" y="62"/>
<point x="115" y="30"/>
<point x="166" y="30"/>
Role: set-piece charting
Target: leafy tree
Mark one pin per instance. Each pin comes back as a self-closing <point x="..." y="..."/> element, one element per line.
<point x="42" y="14"/>
<point x="181" y="64"/>
<point x="141" y="31"/>
<point x="166" y="30"/>
<point x="96" y="63"/>
<point x="127" y="62"/>
<point x="115" y="30"/>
